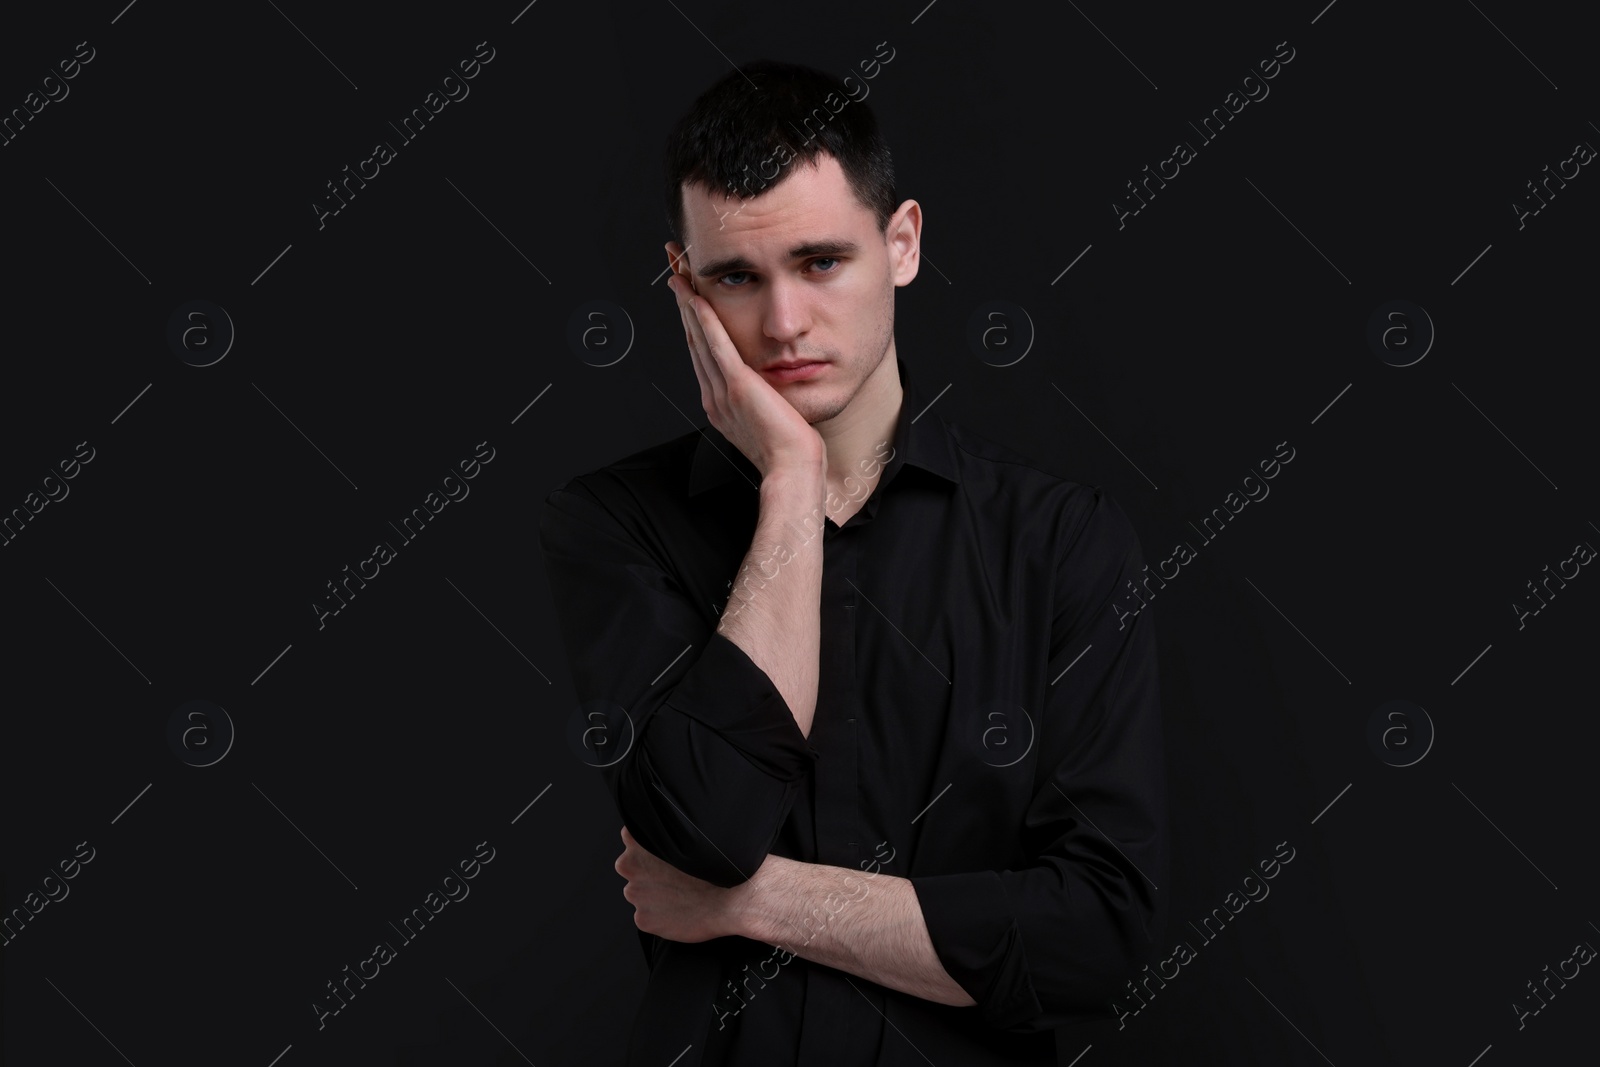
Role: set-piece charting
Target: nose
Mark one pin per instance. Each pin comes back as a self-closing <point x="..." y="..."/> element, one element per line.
<point x="786" y="316"/>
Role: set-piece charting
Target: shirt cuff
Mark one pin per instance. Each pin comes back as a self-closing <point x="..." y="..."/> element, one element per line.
<point x="727" y="692"/>
<point x="977" y="940"/>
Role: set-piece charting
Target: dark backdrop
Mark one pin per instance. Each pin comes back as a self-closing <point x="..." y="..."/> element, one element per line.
<point x="365" y="754"/>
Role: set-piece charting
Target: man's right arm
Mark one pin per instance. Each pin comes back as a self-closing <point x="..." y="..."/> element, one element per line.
<point x="774" y="613"/>
<point x="711" y="754"/>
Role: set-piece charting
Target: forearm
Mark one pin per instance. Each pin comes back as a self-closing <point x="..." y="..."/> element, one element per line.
<point x="869" y="925"/>
<point x="774" y="611"/>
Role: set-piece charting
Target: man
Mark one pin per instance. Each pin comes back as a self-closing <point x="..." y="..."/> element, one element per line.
<point x="883" y="732"/>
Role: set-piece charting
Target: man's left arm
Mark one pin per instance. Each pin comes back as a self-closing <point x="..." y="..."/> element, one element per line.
<point x="868" y="924"/>
<point x="1054" y="941"/>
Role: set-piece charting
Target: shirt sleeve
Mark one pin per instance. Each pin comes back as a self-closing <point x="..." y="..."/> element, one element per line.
<point x="711" y="758"/>
<point x="1055" y="941"/>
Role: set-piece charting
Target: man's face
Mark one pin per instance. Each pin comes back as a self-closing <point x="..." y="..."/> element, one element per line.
<point x="802" y="272"/>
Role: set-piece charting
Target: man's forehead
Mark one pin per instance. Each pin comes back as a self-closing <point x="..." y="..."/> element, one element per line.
<point x="813" y="203"/>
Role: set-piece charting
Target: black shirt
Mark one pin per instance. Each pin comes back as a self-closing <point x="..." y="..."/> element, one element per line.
<point x="987" y="725"/>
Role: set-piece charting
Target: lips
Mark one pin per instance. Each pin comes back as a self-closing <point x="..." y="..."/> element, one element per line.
<point x="791" y="372"/>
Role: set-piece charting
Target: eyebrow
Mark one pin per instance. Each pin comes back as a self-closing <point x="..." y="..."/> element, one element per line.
<point x="826" y="247"/>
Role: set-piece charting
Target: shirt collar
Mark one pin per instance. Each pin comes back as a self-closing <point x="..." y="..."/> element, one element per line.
<point x="920" y="440"/>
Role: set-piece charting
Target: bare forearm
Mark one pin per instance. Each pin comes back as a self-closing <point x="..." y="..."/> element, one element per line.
<point x="869" y="925"/>
<point x="774" y="610"/>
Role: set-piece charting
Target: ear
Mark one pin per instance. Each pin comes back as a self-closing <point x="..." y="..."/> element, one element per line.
<point x="678" y="261"/>
<point x="904" y="237"/>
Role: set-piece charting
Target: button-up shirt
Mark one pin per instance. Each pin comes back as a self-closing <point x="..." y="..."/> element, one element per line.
<point x="987" y="725"/>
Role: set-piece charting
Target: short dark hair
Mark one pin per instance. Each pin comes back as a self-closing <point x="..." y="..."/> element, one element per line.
<point x="731" y="134"/>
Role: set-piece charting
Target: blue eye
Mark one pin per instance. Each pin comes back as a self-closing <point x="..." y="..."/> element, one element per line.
<point x="724" y="283"/>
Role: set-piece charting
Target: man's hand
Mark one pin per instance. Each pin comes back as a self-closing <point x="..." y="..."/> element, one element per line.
<point x="741" y="404"/>
<point x="671" y="904"/>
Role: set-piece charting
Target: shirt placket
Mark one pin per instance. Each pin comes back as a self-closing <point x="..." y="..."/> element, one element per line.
<point x="827" y="1039"/>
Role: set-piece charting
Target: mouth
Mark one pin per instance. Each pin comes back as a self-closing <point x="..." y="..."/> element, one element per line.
<point x="794" y="372"/>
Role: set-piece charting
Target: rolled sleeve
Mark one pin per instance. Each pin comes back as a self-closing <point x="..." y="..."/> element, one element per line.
<point x="713" y="756"/>
<point x="1053" y="942"/>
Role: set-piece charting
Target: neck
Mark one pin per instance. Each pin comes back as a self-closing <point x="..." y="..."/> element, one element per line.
<point x="858" y="439"/>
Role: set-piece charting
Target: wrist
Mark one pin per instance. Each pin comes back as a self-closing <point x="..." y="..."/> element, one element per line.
<point x="754" y="902"/>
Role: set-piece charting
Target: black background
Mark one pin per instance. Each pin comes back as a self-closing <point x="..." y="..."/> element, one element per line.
<point x="426" y="717"/>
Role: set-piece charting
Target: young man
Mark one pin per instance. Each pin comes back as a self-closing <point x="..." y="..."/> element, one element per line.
<point x="883" y="715"/>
